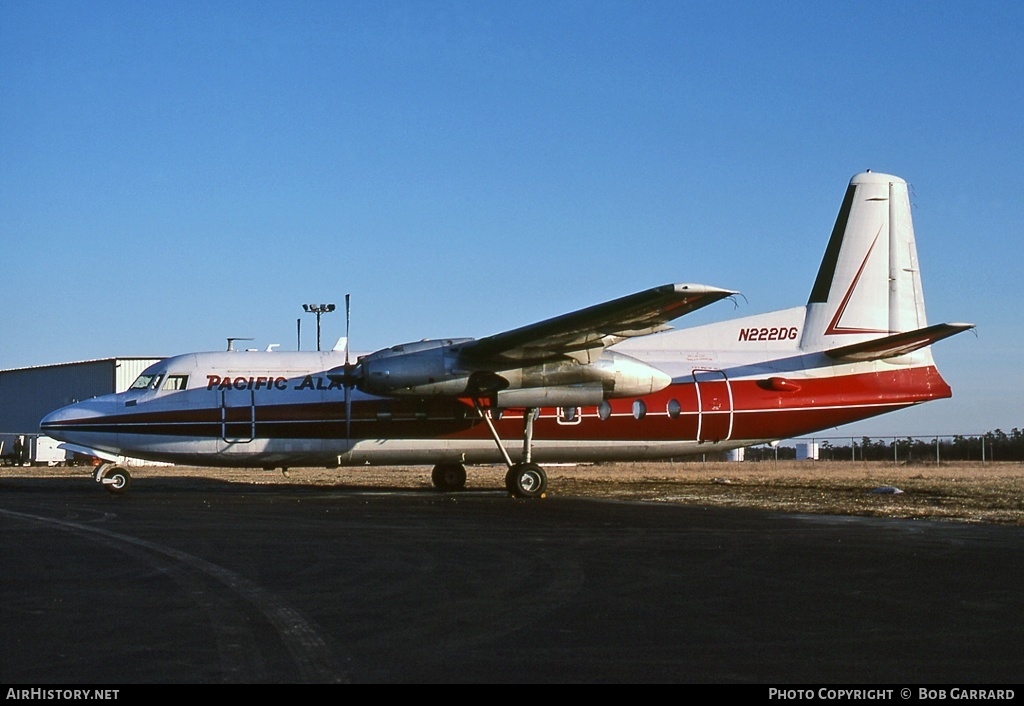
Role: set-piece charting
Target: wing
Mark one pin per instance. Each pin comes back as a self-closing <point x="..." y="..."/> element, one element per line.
<point x="585" y="333"/>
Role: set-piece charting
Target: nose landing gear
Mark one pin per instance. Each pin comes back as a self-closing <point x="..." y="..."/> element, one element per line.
<point x="114" y="478"/>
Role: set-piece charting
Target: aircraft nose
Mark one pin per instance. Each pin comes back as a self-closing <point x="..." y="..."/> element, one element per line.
<point x="59" y="422"/>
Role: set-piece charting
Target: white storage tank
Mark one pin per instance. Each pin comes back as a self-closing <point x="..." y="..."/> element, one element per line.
<point x="807" y="451"/>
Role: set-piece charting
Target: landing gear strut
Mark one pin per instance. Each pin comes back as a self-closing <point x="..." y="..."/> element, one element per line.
<point x="525" y="479"/>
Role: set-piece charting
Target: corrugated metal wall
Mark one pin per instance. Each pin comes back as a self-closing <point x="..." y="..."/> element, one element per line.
<point x="128" y="369"/>
<point x="29" y="394"/>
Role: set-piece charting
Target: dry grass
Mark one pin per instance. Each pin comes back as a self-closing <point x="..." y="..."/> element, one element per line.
<point x="967" y="492"/>
<point x="990" y="493"/>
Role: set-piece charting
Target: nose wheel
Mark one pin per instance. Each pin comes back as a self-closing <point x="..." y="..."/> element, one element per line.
<point x="115" y="479"/>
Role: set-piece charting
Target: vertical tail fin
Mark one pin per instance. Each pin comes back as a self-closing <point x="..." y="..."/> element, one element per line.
<point x="869" y="284"/>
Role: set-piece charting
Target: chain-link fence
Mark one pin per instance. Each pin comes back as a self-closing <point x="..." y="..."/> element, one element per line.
<point x="990" y="446"/>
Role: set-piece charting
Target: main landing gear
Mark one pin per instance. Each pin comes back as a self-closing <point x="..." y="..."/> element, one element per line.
<point x="524" y="479"/>
<point x="114" y="478"/>
<point x="448" y="477"/>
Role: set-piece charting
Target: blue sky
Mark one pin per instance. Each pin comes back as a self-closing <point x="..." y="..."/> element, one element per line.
<point x="175" y="173"/>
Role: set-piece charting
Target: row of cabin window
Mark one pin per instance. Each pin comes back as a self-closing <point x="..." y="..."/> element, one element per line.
<point x="566" y="414"/>
<point x="604" y="410"/>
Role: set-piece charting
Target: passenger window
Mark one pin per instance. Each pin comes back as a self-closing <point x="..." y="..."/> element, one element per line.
<point x="568" y="414"/>
<point x="604" y="410"/>
<point x="674" y="409"/>
<point x="639" y="409"/>
<point x="176" y="382"/>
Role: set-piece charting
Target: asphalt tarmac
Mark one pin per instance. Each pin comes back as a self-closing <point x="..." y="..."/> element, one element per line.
<point x="196" y="581"/>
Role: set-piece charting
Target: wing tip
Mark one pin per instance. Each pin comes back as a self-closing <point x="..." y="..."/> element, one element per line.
<point x="694" y="288"/>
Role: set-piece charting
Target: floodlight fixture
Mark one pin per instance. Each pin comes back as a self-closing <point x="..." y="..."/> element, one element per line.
<point x="318" y="309"/>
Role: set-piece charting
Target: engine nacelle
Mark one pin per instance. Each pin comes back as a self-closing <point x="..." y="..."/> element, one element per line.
<point x="420" y="368"/>
<point x="625" y="376"/>
<point x="437" y="368"/>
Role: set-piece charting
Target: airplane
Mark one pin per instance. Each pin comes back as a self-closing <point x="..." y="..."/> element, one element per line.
<point x="610" y="382"/>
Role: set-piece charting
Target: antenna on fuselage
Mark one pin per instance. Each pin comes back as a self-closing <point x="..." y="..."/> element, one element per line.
<point x="231" y="342"/>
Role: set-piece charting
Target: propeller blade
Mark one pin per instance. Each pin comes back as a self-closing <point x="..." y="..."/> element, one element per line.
<point x="348" y="375"/>
<point x="348" y="416"/>
<point x="348" y="319"/>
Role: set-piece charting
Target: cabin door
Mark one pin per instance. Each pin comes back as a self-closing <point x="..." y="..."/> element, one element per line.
<point x="714" y="405"/>
<point x="237" y="416"/>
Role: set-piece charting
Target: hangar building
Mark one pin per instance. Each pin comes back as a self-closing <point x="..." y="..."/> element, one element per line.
<point x="29" y="394"/>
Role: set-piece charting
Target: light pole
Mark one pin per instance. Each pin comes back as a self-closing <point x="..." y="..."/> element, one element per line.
<point x="318" y="309"/>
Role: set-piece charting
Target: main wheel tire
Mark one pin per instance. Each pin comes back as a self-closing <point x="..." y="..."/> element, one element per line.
<point x="117" y="480"/>
<point x="526" y="480"/>
<point x="448" y="477"/>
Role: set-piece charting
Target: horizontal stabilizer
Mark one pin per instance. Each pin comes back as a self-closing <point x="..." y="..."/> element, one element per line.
<point x="897" y="344"/>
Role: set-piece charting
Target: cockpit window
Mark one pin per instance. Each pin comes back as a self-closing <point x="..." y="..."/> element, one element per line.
<point x="147" y="382"/>
<point x="176" y="382"/>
